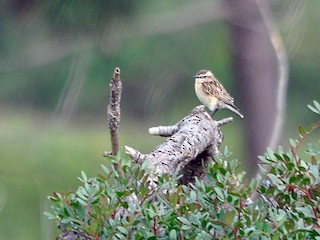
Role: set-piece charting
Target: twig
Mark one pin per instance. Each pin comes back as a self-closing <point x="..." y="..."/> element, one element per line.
<point x="114" y="111"/>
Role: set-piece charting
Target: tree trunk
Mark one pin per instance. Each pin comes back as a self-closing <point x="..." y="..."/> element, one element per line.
<point x="256" y="72"/>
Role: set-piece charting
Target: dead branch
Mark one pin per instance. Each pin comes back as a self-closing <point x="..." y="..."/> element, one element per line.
<point x="113" y="112"/>
<point x="192" y="142"/>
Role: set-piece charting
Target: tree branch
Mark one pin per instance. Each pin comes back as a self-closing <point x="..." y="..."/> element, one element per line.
<point x="192" y="141"/>
<point x="113" y="112"/>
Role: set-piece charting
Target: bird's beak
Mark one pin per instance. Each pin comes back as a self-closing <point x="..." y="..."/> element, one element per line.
<point x="195" y="76"/>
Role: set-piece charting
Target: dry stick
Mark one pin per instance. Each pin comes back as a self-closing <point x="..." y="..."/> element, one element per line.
<point x="114" y="113"/>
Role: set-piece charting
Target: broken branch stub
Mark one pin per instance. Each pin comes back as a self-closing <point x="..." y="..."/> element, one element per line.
<point x="191" y="142"/>
<point x="113" y="113"/>
<point x="114" y="110"/>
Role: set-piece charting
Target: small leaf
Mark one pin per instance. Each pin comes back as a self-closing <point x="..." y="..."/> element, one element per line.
<point x="193" y="196"/>
<point x="293" y="179"/>
<point x="275" y="180"/>
<point x="278" y="157"/>
<point x="275" y="236"/>
<point x="313" y="109"/>
<point x="317" y="105"/>
<point x="122" y="230"/>
<point x="293" y="142"/>
<point x="307" y="211"/>
<point x="290" y="166"/>
<point x="286" y="157"/>
<point x="93" y="227"/>
<point x="229" y="216"/>
<point x="50" y="215"/>
<point x="289" y="224"/>
<point x="314" y="170"/>
<point x="173" y="234"/>
<point x="184" y="220"/>
<point x="219" y="193"/>
<point x="105" y="169"/>
<point x="185" y="227"/>
<point x="83" y="203"/>
<point x="304" y="164"/>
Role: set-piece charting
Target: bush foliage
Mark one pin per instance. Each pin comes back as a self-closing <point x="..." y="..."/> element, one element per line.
<point x="113" y="206"/>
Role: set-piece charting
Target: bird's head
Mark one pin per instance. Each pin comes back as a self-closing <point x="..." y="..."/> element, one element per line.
<point x="203" y="75"/>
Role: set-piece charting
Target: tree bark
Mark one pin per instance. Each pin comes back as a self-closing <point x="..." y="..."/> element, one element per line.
<point x="192" y="143"/>
<point x="113" y="113"/>
<point x="256" y="72"/>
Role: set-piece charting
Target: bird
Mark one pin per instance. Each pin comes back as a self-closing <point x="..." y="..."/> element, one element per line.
<point x="212" y="94"/>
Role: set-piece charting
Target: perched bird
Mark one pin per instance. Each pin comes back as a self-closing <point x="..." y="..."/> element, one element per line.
<point x="212" y="94"/>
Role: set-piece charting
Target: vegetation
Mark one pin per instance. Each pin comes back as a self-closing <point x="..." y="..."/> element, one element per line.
<point x="102" y="207"/>
<point x="56" y="57"/>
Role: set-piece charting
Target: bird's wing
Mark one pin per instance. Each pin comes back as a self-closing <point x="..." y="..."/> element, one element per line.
<point x="214" y="88"/>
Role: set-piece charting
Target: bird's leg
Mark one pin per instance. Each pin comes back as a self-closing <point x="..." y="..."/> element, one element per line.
<point x="213" y="112"/>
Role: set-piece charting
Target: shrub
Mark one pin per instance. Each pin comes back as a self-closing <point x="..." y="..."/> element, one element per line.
<point x="113" y="206"/>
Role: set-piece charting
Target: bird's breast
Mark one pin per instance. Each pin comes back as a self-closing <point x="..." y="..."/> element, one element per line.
<point x="208" y="100"/>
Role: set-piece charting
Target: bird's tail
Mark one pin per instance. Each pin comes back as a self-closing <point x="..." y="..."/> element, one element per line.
<point x="234" y="109"/>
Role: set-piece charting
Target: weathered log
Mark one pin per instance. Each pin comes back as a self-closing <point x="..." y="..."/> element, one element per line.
<point x="192" y="142"/>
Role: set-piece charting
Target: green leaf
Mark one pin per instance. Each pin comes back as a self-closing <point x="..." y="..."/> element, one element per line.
<point x="84" y="176"/>
<point x="275" y="236"/>
<point x="270" y="153"/>
<point x="229" y="217"/>
<point x="193" y="196"/>
<point x="50" y="215"/>
<point x="293" y="179"/>
<point x="290" y="166"/>
<point x="314" y="170"/>
<point x="122" y="230"/>
<point x="186" y="227"/>
<point x="281" y="216"/>
<point x="184" y="220"/>
<point x="313" y="109"/>
<point x="293" y="142"/>
<point x="105" y="169"/>
<point x="83" y="203"/>
<point x="275" y="180"/>
<point x="173" y="234"/>
<point x="195" y="219"/>
<point x="317" y="105"/>
<point x="93" y="227"/>
<point x="278" y="157"/>
<point x="81" y="192"/>
<point x="289" y="224"/>
<point x="219" y="193"/>
<point x="312" y="150"/>
<point x="307" y="211"/>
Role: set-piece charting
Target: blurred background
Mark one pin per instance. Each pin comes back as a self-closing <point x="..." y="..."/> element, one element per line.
<point x="57" y="58"/>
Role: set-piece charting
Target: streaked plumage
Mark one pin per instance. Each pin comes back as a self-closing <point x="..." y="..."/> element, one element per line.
<point x="212" y="94"/>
